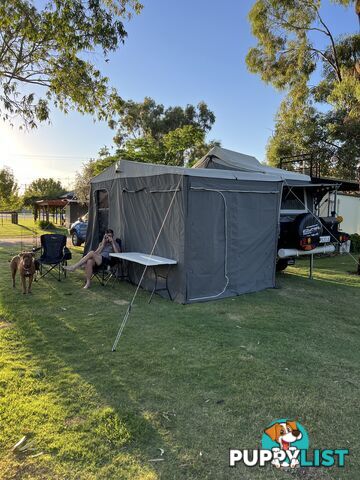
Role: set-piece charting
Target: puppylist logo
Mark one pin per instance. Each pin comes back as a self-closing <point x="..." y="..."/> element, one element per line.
<point x="285" y="444"/>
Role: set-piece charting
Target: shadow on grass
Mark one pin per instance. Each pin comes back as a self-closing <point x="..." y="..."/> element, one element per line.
<point x="41" y="231"/>
<point x="125" y="418"/>
<point x="187" y="379"/>
<point x="68" y="334"/>
<point x="31" y="230"/>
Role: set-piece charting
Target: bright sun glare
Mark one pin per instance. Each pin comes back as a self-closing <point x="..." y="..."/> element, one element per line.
<point x="13" y="154"/>
<point x="8" y="145"/>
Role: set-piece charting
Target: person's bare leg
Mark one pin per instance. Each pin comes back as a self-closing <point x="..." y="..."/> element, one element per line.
<point x="89" y="256"/>
<point x="89" y="266"/>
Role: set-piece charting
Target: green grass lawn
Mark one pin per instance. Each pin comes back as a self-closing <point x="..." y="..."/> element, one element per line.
<point x="26" y="228"/>
<point x="192" y="380"/>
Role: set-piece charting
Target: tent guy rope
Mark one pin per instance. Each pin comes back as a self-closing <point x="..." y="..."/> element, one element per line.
<point x="128" y="311"/>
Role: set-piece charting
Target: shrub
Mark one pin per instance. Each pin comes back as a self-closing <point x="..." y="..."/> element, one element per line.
<point x="355" y="243"/>
<point x="45" y="225"/>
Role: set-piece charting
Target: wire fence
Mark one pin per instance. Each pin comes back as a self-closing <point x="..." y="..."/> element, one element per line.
<point x="19" y="230"/>
<point x="7" y="217"/>
<point x="22" y="230"/>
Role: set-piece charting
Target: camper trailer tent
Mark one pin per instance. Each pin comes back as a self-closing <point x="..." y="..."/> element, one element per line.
<point x="224" y="159"/>
<point x="295" y="184"/>
<point x="302" y="230"/>
<point x="222" y="228"/>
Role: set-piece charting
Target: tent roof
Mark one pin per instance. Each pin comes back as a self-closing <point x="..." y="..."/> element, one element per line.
<point x="128" y="169"/>
<point x="246" y="163"/>
<point x="53" y="202"/>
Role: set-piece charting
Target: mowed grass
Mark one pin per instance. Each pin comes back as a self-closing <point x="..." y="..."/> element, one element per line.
<point x="192" y="380"/>
<point x="25" y="228"/>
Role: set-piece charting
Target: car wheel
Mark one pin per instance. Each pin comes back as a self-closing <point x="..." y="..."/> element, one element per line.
<point x="281" y="264"/>
<point x="75" y="240"/>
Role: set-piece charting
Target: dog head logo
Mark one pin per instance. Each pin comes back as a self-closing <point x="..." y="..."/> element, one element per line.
<point x="284" y="433"/>
<point x="285" y="438"/>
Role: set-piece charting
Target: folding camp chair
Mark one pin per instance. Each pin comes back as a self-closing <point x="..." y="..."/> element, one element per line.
<point x="54" y="255"/>
<point x="110" y="272"/>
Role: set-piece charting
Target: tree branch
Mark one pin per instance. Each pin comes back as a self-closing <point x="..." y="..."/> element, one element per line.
<point x="336" y="65"/>
<point x="282" y="22"/>
<point x="322" y="54"/>
<point x="18" y="57"/>
<point x="35" y="81"/>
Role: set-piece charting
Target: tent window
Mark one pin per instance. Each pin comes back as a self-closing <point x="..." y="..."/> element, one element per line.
<point x="102" y="204"/>
<point x="293" y="199"/>
<point x="103" y="199"/>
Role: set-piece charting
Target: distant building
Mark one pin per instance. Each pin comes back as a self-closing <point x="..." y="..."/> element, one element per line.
<point x="64" y="210"/>
<point x="73" y="209"/>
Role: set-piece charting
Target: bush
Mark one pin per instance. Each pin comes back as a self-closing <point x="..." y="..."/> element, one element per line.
<point x="45" y="225"/>
<point x="355" y="243"/>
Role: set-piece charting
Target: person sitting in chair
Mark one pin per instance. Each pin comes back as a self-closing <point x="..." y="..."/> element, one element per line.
<point x="100" y="256"/>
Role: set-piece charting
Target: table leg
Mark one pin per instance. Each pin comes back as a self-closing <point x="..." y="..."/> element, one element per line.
<point x="157" y="275"/>
<point x="167" y="285"/>
<point x="154" y="289"/>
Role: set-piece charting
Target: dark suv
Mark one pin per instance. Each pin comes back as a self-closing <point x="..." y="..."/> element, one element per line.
<point x="78" y="230"/>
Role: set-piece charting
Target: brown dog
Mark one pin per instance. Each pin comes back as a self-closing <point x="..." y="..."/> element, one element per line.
<point x="24" y="262"/>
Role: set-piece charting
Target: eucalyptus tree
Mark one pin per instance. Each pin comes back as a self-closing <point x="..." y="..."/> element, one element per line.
<point x="298" y="53"/>
<point x="47" y="54"/>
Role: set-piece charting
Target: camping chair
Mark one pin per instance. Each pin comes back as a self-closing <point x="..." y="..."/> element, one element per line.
<point x="110" y="272"/>
<point x="54" y="255"/>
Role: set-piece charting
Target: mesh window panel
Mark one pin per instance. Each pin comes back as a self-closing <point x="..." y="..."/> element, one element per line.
<point x="102" y="202"/>
<point x="293" y="199"/>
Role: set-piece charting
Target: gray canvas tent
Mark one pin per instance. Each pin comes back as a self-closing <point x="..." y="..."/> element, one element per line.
<point x="223" y="159"/>
<point x="222" y="227"/>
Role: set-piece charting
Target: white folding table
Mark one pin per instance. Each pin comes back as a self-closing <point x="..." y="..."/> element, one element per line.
<point x="151" y="261"/>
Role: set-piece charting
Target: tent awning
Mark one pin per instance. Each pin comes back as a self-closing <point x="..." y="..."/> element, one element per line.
<point x="228" y="159"/>
<point x="131" y="169"/>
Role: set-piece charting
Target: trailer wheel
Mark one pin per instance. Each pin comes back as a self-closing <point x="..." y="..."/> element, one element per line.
<point x="281" y="264"/>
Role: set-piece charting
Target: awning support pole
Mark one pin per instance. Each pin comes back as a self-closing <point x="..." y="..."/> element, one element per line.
<point x="127" y="314"/>
<point x="311" y="266"/>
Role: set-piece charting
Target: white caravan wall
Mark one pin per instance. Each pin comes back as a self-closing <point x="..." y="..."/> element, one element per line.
<point x="348" y="207"/>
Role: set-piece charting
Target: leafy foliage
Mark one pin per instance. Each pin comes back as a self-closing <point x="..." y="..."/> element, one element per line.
<point x="179" y="147"/>
<point x="51" y="47"/>
<point x="290" y="49"/>
<point x="355" y="243"/>
<point x="149" y="119"/>
<point x="89" y="170"/>
<point x="332" y="138"/>
<point x="9" y="190"/>
<point x="45" y="224"/>
<point x="149" y="132"/>
<point x="43" y="188"/>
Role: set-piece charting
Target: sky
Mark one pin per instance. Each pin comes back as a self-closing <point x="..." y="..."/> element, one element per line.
<point x="177" y="52"/>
